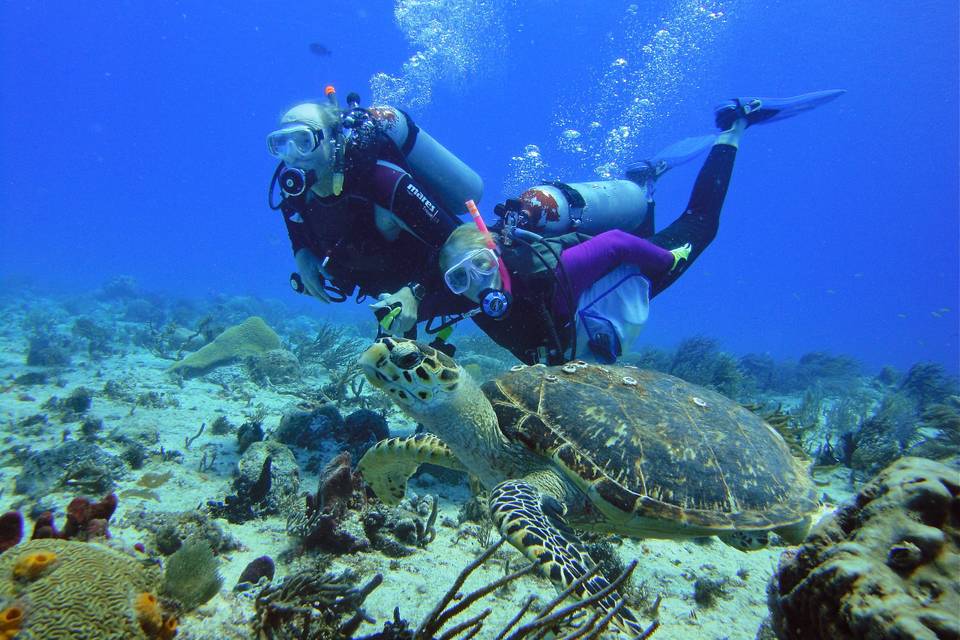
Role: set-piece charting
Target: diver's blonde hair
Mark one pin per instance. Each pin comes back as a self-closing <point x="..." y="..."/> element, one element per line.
<point x="463" y="240"/>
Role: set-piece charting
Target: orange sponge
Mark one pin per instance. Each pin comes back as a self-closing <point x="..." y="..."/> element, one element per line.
<point x="33" y="565"/>
<point x="148" y="613"/>
<point x="10" y="620"/>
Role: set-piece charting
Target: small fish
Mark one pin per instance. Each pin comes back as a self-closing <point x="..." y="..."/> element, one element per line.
<point x="319" y="49"/>
<point x="902" y="316"/>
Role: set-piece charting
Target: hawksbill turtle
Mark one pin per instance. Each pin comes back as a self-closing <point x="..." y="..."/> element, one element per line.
<point x="598" y="448"/>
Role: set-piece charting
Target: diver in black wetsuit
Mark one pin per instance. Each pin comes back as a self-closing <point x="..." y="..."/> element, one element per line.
<point x="360" y="218"/>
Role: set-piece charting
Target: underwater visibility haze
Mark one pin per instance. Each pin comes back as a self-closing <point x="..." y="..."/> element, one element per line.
<point x="163" y="387"/>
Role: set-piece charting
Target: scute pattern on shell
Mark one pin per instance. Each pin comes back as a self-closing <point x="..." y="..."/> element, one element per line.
<point x="88" y="595"/>
<point x="662" y="447"/>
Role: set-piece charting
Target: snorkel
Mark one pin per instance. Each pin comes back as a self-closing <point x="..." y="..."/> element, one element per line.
<point x="482" y="226"/>
<point x="338" y="163"/>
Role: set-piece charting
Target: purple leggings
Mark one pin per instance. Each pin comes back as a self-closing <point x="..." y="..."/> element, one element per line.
<point x="587" y="262"/>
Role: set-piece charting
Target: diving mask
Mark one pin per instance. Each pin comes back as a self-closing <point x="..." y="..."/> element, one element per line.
<point x="297" y="142"/>
<point x="477" y="267"/>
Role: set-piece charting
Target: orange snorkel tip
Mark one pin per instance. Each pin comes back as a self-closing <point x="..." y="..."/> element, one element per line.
<point x="327" y="90"/>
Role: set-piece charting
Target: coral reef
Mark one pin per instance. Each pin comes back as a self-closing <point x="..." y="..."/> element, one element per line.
<point x="267" y="477"/>
<point x="191" y="576"/>
<point x="884" y="436"/>
<point x="48" y="351"/>
<point x="74" y="464"/>
<point x="86" y="593"/>
<point x="250" y="338"/>
<point x="320" y="524"/>
<point x="331" y="348"/>
<point x="362" y="429"/>
<point x="926" y="383"/>
<point x="169" y="530"/>
<point x="944" y="420"/>
<point x="883" y="566"/>
<point x="308" y="428"/>
<point x="277" y="366"/>
<point x="308" y="606"/>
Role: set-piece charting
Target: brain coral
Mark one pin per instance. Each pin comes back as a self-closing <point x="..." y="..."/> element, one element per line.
<point x="249" y="338"/>
<point x="884" y="566"/>
<point x="88" y="594"/>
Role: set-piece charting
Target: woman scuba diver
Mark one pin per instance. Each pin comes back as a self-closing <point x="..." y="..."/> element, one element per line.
<point x="552" y="299"/>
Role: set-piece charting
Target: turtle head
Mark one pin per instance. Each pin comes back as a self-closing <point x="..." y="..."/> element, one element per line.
<point x="416" y="376"/>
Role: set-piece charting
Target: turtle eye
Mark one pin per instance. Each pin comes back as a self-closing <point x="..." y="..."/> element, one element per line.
<point x="406" y="360"/>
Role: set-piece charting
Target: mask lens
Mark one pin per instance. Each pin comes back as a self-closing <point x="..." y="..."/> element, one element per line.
<point x="457" y="278"/>
<point x="294" y="142"/>
<point x="484" y="262"/>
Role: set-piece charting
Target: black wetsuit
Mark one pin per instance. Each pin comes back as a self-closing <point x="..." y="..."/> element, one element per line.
<point x="343" y="228"/>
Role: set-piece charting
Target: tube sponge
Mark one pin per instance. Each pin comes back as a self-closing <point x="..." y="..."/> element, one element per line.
<point x="11" y="619"/>
<point x="148" y="613"/>
<point x="169" y="629"/>
<point x="33" y="565"/>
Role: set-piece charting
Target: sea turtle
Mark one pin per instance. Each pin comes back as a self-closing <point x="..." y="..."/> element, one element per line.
<point x="602" y="448"/>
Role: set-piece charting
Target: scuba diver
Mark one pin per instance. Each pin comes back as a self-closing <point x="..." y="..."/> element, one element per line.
<point x="576" y="295"/>
<point x="368" y="199"/>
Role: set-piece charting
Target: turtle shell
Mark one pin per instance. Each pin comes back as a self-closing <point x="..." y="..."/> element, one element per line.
<point x="646" y="444"/>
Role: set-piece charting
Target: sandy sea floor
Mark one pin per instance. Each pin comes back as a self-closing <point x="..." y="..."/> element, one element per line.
<point x="414" y="584"/>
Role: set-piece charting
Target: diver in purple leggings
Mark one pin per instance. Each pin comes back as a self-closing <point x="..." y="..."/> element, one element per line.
<point x="549" y="300"/>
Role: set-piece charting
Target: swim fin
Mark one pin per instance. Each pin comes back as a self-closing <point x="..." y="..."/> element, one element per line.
<point x="669" y="157"/>
<point x="762" y="110"/>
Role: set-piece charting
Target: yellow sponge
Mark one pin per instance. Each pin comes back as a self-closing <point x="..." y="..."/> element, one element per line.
<point x="33" y="565"/>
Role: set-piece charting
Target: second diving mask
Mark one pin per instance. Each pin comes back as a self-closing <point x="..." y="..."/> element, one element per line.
<point x="294" y="143"/>
<point x="478" y="266"/>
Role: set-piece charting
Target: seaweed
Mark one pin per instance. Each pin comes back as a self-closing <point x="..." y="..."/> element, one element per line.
<point x="96" y="336"/>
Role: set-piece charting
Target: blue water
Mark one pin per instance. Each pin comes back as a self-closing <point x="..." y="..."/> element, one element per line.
<point x="133" y="143"/>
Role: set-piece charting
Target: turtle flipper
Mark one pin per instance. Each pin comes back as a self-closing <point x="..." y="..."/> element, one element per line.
<point x="745" y="540"/>
<point x="533" y="523"/>
<point x="387" y="465"/>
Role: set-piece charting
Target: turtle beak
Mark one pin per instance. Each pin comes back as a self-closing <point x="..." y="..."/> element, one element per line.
<point x="372" y="360"/>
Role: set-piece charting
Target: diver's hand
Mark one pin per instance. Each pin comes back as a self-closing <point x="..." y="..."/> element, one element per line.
<point x="312" y="273"/>
<point x="407" y="318"/>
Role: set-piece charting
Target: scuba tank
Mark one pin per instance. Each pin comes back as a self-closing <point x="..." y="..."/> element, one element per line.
<point x="585" y="207"/>
<point x="447" y="177"/>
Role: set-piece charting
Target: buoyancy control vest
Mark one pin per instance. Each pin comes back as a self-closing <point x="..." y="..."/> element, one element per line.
<point x="531" y="332"/>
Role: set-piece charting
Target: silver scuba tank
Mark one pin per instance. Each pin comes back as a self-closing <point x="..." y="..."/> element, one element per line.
<point x="586" y="207"/>
<point x="447" y="177"/>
